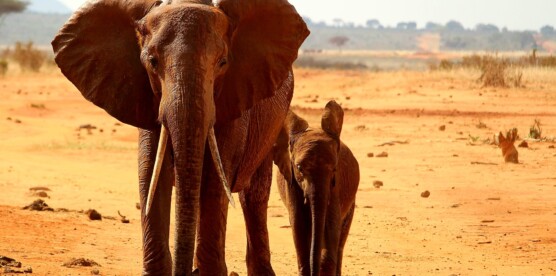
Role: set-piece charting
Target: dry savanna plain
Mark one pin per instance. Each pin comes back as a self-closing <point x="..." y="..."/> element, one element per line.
<point x="482" y="217"/>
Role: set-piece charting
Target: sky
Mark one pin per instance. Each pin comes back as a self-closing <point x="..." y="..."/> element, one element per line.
<point x="513" y="14"/>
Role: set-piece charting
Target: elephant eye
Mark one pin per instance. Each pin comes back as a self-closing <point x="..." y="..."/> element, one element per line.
<point x="299" y="169"/>
<point x="222" y="62"/>
<point x="153" y="61"/>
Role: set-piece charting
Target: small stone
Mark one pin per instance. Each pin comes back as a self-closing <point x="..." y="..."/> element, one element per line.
<point x="28" y="270"/>
<point x="551" y="146"/>
<point x="370" y="154"/>
<point x="378" y="184"/>
<point x="442" y="128"/>
<point x="382" y="154"/>
<point x="138" y="206"/>
<point x="425" y="194"/>
<point x="95" y="272"/>
<point x="40" y="194"/>
<point x="93" y="214"/>
<point x="523" y="144"/>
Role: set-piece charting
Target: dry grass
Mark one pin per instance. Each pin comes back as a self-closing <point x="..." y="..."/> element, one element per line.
<point x="24" y="57"/>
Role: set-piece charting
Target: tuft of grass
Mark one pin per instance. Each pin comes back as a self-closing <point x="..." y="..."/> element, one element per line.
<point x="3" y="67"/>
<point x="311" y="62"/>
<point x="535" y="130"/>
<point x="27" y="56"/>
<point x="81" y="146"/>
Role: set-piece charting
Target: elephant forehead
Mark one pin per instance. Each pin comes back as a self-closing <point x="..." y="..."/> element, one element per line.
<point x="186" y="16"/>
<point x="315" y="148"/>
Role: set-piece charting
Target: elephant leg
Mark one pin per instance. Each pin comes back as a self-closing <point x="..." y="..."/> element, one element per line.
<point x="156" y="254"/>
<point x="343" y="238"/>
<point x="332" y="237"/>
<point x="211" y="230"/>
<point x="300" y="221"/>
<point x="254" y="202"/>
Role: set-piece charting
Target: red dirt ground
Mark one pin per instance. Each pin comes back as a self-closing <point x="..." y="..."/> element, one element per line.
<point x="485" y="218"/>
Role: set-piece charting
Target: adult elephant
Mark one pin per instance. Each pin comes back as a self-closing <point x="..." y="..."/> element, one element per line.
<point x="192" y="74"/>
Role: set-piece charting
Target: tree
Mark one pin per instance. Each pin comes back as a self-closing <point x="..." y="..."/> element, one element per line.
<point x="11" y="6"/>
<point x="338" y="22"/>
<point x="307" y="20"/>
<point x="431" y="26"/>
<point x="454" y="26"/>
<point x="487" y="28"/>
<point x="401" y="26"/>
<point x="547" y="30"/>
<point x="411" y="25"/>
<point x="373" y="24"/>
<point x="339" y="41"/>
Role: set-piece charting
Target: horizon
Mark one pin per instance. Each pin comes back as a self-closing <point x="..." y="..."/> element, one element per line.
<point x="515" y="15"/>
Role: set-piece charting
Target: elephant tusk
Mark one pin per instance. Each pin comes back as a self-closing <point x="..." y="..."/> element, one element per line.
<point x="218" y="164"/>
<point x="157" y="166"/>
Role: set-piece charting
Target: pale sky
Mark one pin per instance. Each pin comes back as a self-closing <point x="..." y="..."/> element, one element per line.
<point x="513" y="14"/>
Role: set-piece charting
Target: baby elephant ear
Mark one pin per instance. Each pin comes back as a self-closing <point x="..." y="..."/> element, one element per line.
<point x="264" y="41"/>
<point x="98" y="51"/>
<point x="281" y="154"/>
<point x="333" y="119"/>
<point x="295" y="124"/>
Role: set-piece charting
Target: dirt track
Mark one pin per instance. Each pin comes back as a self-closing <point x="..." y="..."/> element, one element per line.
<point x="480" y="219"/>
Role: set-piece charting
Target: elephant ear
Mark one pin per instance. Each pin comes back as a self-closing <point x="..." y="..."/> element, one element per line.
<point x="295" y="124"/>
<point x="281" y="154"/>
<point x="264" y="41"/>
<point x="332" y="119"/>
<point x="98" y="51"/>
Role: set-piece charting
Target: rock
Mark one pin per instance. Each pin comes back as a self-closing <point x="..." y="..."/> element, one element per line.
<point x="80" y="262"/>
<point x="7" y="261"/>
<point x="370" y="154"/>
<point x="95" y="272"/>
<point x="382" y="154"/>
<point x="442" y="128"/>
<point x="38" y="205"/>
<point x="378" y="184"/>
<point x="93" y="214"/>
<point x="87" y="127"/>
<point x="138" y="206"/>
<point x="551" y="146"/>
<point x="425" y="194"/>
<point x="40" y="194"/>
<point x="28" y="270"/>
<point x="523" y="144"/>
<point x="39" y="188"/>
<point x="361" y="128"/>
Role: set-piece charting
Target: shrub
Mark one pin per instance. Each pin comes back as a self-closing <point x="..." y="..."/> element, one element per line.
<point x="493" y="71"/>
<point x="28" y="56"/>
<point x="535" y="130"/>
<point x="3" y="67"/>
<point x="311" y="62"/>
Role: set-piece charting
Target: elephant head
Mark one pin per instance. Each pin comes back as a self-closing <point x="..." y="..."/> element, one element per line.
<point x="184" y="65"/>
<point x="308" y="158"/>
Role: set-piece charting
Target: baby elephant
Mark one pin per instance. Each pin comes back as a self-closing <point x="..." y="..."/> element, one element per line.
<point x="318" y="180"/>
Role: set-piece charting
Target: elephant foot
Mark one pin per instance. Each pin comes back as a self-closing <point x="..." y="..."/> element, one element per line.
<point x="162" y="268"/>
<point x="262" y="271"/>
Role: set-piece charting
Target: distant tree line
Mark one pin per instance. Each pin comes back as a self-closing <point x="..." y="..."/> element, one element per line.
<point x="406" y="36"/>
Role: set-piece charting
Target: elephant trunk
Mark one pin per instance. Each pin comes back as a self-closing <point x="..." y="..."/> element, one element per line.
<point x="318" y="204"/>
<point x="189" y="116"/>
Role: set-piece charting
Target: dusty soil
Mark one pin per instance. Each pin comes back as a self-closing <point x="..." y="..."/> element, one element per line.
<point x="481" y="216"/>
